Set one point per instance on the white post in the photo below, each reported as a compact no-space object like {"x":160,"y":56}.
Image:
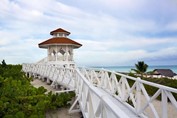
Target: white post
{"x":48,"y":54}
{"x":66,"y":53}
{"x":138,"y":95}
{"x":123,"y":89}
{"x":48,"y":81}
{"x":164,"y":105}
{"x":56,"y":54}
{"x":71,"y":54}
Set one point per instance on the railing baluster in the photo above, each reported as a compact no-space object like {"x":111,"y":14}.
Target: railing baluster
{"x":164,"y":104}
{"x":138,"y":95}
{"x":123,"y":89}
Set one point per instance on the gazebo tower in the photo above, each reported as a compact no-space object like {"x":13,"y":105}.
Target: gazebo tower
{"x":59,"y":48}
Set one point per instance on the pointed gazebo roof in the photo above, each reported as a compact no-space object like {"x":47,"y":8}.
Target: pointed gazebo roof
{"x":59,"y":30}
{"x":59,"y":41}
{"x":59,"y":38}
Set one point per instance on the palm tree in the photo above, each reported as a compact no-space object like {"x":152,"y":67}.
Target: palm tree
{"x":141,"y":68}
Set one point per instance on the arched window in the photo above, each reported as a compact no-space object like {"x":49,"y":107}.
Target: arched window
{"x":60,"y":54}
{"x":62,"y":51}
{"x":54,"y":52}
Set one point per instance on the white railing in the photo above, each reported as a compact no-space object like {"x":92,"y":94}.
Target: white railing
{"x":94,"y":103}
{"x":119,"y":86}
{"x":61,"y":75}
{"x":42,"y":61}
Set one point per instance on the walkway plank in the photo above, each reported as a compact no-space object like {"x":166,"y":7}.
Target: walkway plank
{"x":121,"y":105}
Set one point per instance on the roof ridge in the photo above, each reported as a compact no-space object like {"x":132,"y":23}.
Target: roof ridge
{"x":59,"y":30}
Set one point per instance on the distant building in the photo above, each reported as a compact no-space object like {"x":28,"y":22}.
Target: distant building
{"x":164,"y":73}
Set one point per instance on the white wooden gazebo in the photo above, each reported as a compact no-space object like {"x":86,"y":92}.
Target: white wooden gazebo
{"x":59,"y":48}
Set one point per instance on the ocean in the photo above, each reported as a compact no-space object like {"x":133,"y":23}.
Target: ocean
{"x":128,"y":68}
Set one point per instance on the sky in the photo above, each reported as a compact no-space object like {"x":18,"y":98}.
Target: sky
{"x":112,"y":32}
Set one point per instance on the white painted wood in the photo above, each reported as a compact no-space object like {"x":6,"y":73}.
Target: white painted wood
{"x":102,"y":94}
{"x":138,"y":96}
{"x":164,"y":105}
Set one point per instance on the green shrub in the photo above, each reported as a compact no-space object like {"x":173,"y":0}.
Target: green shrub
{"x":19,"y":99}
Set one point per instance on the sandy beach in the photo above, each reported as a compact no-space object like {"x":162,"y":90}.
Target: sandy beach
{"x":172,"y":112}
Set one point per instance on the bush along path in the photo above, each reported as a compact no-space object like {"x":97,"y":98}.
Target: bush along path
{"x":19,"y":99}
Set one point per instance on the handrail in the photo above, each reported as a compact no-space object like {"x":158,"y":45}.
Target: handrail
{"x":145,"y":82}
{"x":105,"y":101}
{"x":124,"y":92}
{"x":88,"y":82}
{"x":44,"y":60}
{"x":86,"y":92}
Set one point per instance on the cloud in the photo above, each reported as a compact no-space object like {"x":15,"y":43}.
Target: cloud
{"x":123,"y":58}
{"x":172,"y":26}
{"x":127,"y":44}
{"x":113,"y":32}
{"x":125,"y":52}
{"x":25,"y":51}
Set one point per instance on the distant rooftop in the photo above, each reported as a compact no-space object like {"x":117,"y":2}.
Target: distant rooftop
{"x":164,"y":72}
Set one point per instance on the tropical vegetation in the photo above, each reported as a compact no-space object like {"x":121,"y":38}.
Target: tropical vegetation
{"x":19,"y":99}
{"x":141,"y":68}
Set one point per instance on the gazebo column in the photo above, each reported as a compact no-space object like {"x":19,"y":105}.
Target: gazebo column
{"x":71,"y":54}
{"x":66,"y":53}
{"x":48,"y":54}
{"x":56,"y":53}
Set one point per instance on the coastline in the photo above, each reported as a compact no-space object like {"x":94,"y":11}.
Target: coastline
{"x":126,"y":69}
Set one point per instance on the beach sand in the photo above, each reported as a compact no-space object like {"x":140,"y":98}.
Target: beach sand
{"x":61,"y":112}
{"x":172,"y":112}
